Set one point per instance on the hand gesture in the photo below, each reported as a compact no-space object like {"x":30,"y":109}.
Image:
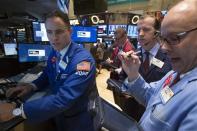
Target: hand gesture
{"x":130,"y":64}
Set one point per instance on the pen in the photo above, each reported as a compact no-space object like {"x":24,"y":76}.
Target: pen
{"x":136,"y":53}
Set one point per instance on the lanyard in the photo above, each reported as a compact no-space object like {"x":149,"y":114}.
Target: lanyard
{"x":169,"y":82}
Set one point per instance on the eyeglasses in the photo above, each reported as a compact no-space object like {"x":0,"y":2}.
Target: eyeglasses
{"x":176,"y":39}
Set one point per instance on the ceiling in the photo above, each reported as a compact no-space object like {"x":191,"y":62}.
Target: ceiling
{"x":19,"y":12}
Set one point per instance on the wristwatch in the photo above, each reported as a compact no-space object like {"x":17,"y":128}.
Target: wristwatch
{"x":17,"y":112}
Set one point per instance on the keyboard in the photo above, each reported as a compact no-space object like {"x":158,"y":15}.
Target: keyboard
{"x":35,"y":70}
{"x":28,"y":78}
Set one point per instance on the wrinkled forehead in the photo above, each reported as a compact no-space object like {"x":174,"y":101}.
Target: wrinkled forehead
{"x":179,"y":19}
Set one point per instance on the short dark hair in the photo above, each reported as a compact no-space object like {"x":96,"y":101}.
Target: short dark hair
{"x":157,"y":23}
{"x":60,"y":14}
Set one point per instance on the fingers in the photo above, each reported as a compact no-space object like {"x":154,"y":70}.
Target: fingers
{"x":13,"y":92}
{"x":129,"y":57}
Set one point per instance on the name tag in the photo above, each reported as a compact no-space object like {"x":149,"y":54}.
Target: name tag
{"x":166,"y":93}
{"x":62,"y":65}
{"x":157,"y":62}
{"x":63,"y":76}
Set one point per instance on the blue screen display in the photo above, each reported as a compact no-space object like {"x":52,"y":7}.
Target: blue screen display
{"x":39,"y":31}
{"x":84,"y":34}
{"x":112,"y":28}
{"x":132,"y":31}
{"x":33,"y":52}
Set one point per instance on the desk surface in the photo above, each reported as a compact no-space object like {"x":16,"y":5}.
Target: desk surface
{"x":6,"y":126}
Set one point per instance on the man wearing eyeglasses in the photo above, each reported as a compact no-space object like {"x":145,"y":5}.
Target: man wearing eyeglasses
{"x":171,"y":103}
{"x":70,"y":75}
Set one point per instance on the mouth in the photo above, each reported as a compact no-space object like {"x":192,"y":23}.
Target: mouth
{"x":174,"y":59}
{"x":143,"y":42}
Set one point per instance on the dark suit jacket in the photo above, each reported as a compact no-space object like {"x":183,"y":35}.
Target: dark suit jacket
{"x":155,"y":73}
{"x":129,"y":104}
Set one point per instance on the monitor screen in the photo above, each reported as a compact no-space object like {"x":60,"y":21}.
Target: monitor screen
{"x":132,"y":31}
{"x":33,"y":52}
{"x":84,"y":34}
{"x":102,"y":30}
{"x":39,"y":31}
{"x":21,"y":35}
{"x":10,"y":49}
{"x":112,"y":28}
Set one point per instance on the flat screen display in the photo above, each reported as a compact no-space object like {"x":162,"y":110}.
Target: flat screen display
{"x":102,"y":30}
{"x":84,"y":34}
{"x":39,"y":31}
{"x":10,"y":49}
{"x":21,"y":35}
{"x":33,"y":52}
{"x":132,"y":31}
{"x":112,"y":28}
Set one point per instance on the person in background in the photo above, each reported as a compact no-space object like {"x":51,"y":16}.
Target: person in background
{"x":170,"y":102}
{"x":70,"y":74}
{"x":121,"y":43}
{"x":100,"y":55}
{"x":155,"y":63}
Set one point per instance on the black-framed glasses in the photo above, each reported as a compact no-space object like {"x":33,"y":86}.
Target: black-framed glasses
{"x":176,"y":39}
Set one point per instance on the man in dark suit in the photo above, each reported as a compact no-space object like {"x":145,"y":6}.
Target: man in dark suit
{"x":148,"y":37}
{"x":154,"y":62}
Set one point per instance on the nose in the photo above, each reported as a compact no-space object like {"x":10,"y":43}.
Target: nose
{"x":54,"y":37}
{"x":141,"y":32}
{"x":165,"y":47}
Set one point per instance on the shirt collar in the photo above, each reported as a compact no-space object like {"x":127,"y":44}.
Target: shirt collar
{"x":64,"y":50}
{"x":187,"y":73}
{"x":154,"y":50}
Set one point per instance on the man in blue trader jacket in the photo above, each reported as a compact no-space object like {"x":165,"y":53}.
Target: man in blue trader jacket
{"x":171,"y":103}
{"x":70,"y":73}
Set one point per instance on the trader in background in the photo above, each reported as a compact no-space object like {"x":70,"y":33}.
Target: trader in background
{"x":70,"y":73}
{"x":170,"y":102}
{"x":121,"y":43}
{"x":155,"y":63}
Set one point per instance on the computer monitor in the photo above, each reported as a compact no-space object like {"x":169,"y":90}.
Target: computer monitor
{"x":84,"y":34}
{"x":21,"y":34}
{"x":10,"y":49}
{"x":132,"y":31}
{"x":102,"y":30}
{"x":112,"y":28}
{"x":33,"y":52}
{"x":39,"y":31}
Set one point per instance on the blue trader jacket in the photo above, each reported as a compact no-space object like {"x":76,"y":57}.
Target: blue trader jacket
{"x":179,"y":113}
{"x":70,"y":87}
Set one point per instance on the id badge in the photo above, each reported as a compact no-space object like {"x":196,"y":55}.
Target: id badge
{"x":165,"y":94}
{"x":62,"y":64}
{"x":157,"y":62}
